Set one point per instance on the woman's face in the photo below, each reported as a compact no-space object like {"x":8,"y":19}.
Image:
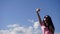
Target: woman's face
{"x":46,"y":21}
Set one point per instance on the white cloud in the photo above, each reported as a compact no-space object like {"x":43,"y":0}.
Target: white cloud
{"x":4,"y":32}
{"x":36,"y":25}
{"x":13,"y":25}
{"x":30,"y":20}
{"x":17,"y":29}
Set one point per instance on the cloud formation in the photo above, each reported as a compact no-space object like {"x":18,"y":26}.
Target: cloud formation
{"x":17,"y":29}
{"x":36,"y":25}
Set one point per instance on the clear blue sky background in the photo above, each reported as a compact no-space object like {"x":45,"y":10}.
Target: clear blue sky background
{"x":20,"y":11}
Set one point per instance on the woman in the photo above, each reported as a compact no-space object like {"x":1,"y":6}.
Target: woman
{"x":46,"y":25}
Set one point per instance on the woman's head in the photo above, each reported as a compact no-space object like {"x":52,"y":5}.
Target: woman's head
{"x":47,"y":20}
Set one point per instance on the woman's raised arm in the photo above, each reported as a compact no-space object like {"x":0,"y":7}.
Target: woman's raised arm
{"x":39,"y":18}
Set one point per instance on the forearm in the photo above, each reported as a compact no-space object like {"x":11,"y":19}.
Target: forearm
{"x":39,"y":18}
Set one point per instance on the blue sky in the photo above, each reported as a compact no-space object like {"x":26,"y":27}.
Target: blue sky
{"x":22,"y":11}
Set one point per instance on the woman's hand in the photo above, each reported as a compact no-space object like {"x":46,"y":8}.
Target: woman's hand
{"x":38,"y":9}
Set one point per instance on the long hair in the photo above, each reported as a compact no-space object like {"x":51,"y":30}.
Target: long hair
{"x":50,"y":22}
